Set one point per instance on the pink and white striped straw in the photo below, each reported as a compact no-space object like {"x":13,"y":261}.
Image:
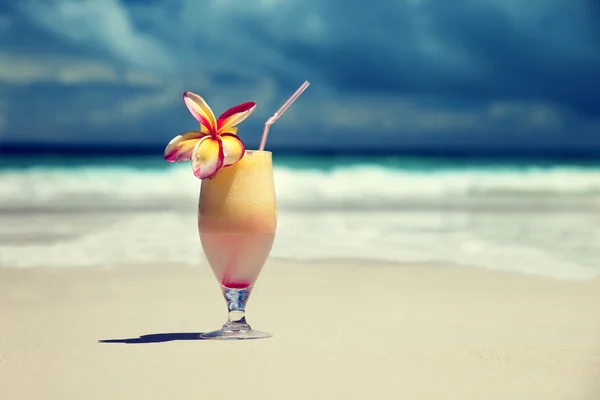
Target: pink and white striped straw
{"x":284,"y":107}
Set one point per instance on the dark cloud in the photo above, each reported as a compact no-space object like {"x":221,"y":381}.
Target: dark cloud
{"x":472,"y":50}
{"x":488,"y":73}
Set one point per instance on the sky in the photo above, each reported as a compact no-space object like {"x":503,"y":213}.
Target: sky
{"x":426,"y":74}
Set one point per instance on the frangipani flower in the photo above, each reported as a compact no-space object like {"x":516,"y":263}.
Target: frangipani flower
{"x":216,"y":144}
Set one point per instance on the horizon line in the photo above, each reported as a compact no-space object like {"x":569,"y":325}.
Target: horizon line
{"x":111,"y":150}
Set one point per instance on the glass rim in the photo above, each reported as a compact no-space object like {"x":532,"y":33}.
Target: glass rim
{"x":258,"y":151}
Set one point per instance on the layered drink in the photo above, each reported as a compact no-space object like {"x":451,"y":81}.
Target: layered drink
{"x":237,"y":219}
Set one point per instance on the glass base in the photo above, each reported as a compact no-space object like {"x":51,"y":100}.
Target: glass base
{"x":227,"y":333}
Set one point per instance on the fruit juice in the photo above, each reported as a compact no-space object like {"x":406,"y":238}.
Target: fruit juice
{"x":237,"y":219}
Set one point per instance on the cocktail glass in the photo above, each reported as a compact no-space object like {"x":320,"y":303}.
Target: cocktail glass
{"x":237,"y":220}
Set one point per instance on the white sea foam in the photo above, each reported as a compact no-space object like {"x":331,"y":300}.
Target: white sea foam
{"x":564,"y":246}
{"x":361,"y":187}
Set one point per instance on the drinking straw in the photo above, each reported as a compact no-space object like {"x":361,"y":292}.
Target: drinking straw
{"x":284,"y":107}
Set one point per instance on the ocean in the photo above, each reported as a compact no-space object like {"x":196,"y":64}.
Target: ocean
{"x":538,"y":217}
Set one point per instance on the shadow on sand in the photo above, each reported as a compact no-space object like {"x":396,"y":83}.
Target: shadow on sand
{"x":157,"y":338}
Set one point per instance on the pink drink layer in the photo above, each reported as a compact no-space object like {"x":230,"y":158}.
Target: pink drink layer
{"x":237,"y":258}
{"x":237,"y":219}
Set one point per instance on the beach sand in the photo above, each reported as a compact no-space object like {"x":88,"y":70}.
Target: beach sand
{"x":342,"y":330}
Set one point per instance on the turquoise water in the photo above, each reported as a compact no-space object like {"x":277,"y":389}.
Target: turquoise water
{"x":303,"y":182}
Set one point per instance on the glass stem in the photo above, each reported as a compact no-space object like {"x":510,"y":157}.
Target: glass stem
{"x":236,"y":305}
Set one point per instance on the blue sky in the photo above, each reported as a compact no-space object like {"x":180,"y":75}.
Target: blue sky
{"x":482,"y":74}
